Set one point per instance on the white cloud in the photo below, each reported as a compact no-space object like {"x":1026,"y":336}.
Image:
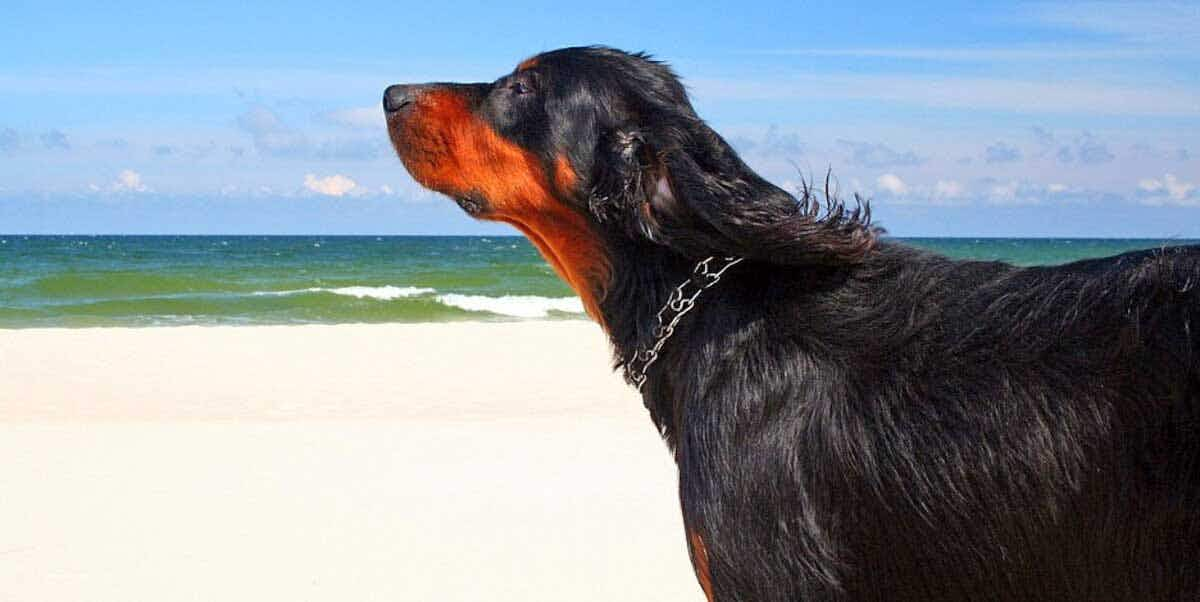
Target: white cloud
{"x":947,"y":189}
{"x":1174,"y":26}
{"x":9,"y":139}
{"x":335,"y":185}
{"x":1030,"y":53}
{"x":270,"y":134}
{"x":259,"y":120}
{"x":129,"y":181}
{"x":989,"y":191}
{"x":55,"y":140}
{"x":358,"y":117}
{"x":1072,"y":96}
{"x":870,"y":154}
{"x":1000,"y":152}
{"x":1169,"y":189}
{"x":775,"y":141}
{"x":892,"y":183}
{"x":1017,"y":192}
{"x":1003,"y":192}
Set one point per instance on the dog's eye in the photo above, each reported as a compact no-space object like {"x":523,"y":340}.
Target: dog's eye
{"x":519,"y":88}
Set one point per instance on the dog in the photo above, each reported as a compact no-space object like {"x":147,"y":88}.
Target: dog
{"x":852,"y":418}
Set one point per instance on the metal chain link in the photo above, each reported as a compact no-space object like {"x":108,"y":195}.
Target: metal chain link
{"x":678,"y":305}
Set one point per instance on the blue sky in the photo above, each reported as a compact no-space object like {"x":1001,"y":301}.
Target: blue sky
{"x":972,"y":119}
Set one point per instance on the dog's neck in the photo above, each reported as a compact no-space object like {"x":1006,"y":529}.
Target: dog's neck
{"x":646,"y":323}
{"x":642,"y":277}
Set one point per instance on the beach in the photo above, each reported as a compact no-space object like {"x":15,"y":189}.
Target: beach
{"x":332,"y":418}
{"x":440,"y":461}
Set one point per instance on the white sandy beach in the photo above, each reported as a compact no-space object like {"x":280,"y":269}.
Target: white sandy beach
{"x":466,"y":461}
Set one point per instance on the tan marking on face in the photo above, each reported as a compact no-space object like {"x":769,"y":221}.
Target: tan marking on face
{"x":528,"y":63}
{"x":446,"y":147}
{"x":564,"y":176}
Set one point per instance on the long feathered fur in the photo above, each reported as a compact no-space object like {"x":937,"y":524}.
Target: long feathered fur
{"x":854,"y":419}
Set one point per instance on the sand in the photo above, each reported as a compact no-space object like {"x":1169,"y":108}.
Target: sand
{"x":465,"y":461}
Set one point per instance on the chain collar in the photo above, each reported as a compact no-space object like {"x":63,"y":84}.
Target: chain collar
{"x":704,"y":277}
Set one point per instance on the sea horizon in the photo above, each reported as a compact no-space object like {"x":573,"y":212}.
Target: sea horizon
{"x":135,"y":280}
{"x":521,"y":236}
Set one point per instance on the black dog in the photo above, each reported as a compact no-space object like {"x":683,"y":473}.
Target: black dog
{"x":852,"y":419}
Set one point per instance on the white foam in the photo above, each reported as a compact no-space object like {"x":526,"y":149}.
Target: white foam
{"x":383,"y":293}
{"x":520,"y":306}
{"x":517,"y":306}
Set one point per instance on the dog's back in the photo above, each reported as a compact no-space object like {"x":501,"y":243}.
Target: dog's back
{"x":964,"y":430}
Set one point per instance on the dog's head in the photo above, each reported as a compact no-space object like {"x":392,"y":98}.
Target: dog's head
{"x":585,"y":148}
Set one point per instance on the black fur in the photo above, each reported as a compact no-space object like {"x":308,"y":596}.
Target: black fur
{"x":854,"y":419}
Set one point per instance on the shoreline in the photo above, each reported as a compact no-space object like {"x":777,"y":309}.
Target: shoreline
{"x":571,"y":318}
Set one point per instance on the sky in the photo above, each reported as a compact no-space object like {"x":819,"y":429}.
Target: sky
{"x":954,"y":119}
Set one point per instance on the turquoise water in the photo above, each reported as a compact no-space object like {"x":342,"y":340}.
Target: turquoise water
{"x":166,"y":280}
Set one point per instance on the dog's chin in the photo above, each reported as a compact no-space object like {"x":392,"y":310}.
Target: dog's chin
{"x":473,"y":205}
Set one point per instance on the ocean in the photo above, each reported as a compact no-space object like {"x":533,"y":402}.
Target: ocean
{"x":82,"y":281}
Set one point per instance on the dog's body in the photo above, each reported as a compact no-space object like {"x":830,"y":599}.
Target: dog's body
{"x":916,"y":428}
{"x":852,"y":419}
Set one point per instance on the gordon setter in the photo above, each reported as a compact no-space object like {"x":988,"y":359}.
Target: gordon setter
{"x":852,"y":418}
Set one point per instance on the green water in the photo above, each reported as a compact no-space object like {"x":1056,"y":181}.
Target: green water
{"x":77,"y":281}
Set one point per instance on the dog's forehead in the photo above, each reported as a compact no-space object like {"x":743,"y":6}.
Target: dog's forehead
{"x":568,"y":59}
{"x":554,"y":69}
{"x":571,"y":71}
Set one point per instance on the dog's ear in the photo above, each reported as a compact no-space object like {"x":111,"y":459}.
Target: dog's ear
{"x":619,"y":175}
{"x":681,"y":185}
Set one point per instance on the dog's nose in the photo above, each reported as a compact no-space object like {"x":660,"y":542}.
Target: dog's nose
{"x":398,"y":97}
